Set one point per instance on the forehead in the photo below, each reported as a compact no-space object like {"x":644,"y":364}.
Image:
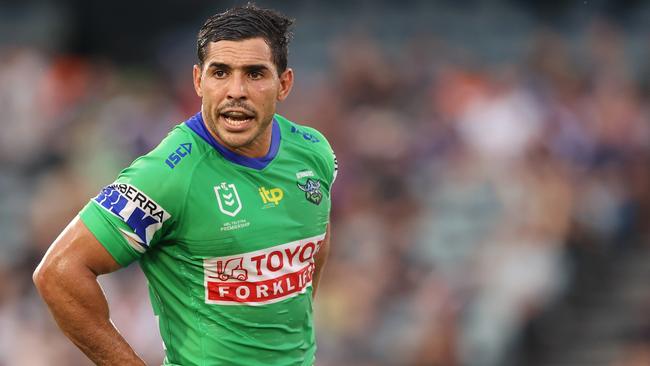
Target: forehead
{"x":239,"y":53}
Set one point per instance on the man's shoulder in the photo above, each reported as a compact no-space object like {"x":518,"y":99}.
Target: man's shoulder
{"x":306,"y":137}
{"x":172,"y":159}
{"x":309,"y":143}
{"x":179,"y":149}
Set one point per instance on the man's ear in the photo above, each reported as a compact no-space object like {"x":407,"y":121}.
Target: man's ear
{"x":196,"y":78}
{"x":286,"y":83}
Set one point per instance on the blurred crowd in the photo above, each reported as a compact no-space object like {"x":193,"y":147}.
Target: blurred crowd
{"x":464,"y":187}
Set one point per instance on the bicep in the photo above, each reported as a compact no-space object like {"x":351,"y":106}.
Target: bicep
{"x":76,"y":248}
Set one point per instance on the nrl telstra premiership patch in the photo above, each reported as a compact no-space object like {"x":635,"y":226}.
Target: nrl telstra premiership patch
{"x":142,"y":214}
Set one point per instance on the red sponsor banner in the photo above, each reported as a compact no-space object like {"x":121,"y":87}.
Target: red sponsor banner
{"x":263,"y":276}
{"x":262,"y":291}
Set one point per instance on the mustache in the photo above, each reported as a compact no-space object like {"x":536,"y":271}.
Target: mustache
{"x":237,"y":104}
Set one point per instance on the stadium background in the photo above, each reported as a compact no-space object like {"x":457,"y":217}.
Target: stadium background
{"x":494,"y":196}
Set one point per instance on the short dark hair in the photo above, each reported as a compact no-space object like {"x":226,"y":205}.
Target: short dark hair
{"x":246,"y":22}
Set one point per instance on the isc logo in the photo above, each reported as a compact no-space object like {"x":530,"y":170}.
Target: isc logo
{"x":305,"y":135}
{"x":175,"y":157}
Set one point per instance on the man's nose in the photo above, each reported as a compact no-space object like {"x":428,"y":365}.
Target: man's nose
{"x":237,"y":87}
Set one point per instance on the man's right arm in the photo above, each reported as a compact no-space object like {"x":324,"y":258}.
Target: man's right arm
{"x":66,"y":278}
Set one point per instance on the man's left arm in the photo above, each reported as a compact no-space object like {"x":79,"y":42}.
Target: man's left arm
{"x":323,"y":252}
{"x":320,"y":259}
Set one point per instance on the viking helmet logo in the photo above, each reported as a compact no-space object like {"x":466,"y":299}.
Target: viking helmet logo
{"x":312,"y":191}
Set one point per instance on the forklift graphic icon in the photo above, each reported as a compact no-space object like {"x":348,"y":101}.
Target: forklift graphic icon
{"x":232,"y":268}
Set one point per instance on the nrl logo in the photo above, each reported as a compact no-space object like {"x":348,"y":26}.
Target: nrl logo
{"x":228,"y":199}
{"x":312,"y":191}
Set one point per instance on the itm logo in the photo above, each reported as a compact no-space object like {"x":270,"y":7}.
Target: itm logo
{"x":312,"y":190}
{"x":273,"y":195}
{"x":228,"y":199}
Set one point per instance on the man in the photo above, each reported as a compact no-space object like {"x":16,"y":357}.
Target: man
{"x":228,"y":218}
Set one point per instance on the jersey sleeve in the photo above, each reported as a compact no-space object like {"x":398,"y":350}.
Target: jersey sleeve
{"x":139,"y":210}
{"x":335,"y":167}
{"x":331,"y":167}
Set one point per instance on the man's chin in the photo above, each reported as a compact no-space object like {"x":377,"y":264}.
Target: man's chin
{"x":231,"y":139}
{"x":240,"y":141}
{"x":235,"y":140}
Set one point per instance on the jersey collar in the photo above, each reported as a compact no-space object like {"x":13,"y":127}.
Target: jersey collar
{"x":197,"y":125}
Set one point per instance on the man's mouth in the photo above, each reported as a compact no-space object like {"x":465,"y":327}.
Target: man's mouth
{"x":237,"y":118}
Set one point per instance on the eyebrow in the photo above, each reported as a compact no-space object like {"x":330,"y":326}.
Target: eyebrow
{"x":247,"y":68}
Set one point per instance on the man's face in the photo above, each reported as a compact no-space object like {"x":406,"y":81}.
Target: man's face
{"x":240,"y":86}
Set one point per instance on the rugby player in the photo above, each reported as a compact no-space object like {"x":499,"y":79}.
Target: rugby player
{"x":228,"y":217}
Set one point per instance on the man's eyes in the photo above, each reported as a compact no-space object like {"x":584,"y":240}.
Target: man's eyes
{"x":254,"y":75}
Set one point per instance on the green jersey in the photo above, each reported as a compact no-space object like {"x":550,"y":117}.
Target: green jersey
{"x":227,"y":242}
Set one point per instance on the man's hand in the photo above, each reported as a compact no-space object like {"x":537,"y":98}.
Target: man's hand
{"x":66,"y":278}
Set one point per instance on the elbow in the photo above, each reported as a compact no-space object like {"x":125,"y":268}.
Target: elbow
{"x":47,"y":276}
{"x":58,"y":271}
{"x":41,"y":277}
{"x":36,"y":276}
